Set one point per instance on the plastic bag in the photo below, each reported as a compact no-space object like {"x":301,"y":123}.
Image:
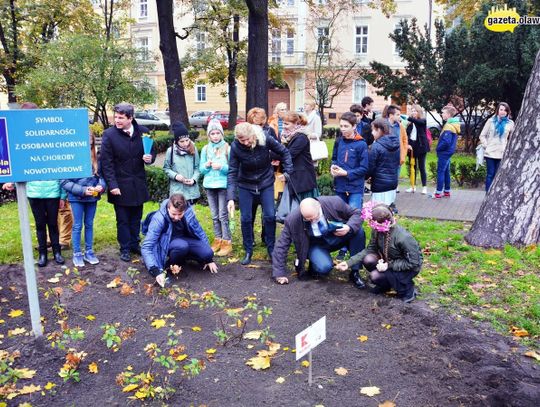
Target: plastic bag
{"x":479,"y":156}
{"x":286,"y":205}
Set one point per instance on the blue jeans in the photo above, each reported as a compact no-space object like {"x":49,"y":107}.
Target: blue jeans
{"x":189,"y":248}
{"x":83,"y":213}
{"x":492,"y":165}
{"x":355,"y":201}
{"x":320,"y":261}
{"x":443,"y":174}
{"x":245,"y":201}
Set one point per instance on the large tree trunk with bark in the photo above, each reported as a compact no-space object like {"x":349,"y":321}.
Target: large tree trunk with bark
{"x":510,"y":212}
{"x":232,"y":55}
{"x":257,"y":62}
{"x":171,"y":62}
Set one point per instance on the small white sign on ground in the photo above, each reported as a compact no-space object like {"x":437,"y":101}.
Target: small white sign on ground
{"x":310,"y":337}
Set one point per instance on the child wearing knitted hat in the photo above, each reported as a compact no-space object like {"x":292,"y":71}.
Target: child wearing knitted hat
{"x":214,"y":168}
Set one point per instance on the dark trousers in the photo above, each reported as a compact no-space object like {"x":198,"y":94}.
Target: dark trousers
{"x":443,"y":174}
{"x":320,"y":260}
{"x":128,"y":226}
{"x":401,"y":281}
{"x":420,"y":164}
{"x":245,"y":201}
{"x":45,"y":211}
{"x":189,"y":248}
{"x":492,"y":165}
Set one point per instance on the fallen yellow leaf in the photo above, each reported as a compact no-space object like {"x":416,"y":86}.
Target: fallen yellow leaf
{"x":114,"y":283}
{"x":286,"y":348}
{"x":532,"y":354}
{"x":305,"y":363}
{"x":25,"y":373}
{"x":158,"y":323}
{"x":93,"y":368}
{"x":259,"y":362}
{"x":210,"y":351}
{"x":387,"y":403}
{"x":196,"y":329}
{"x":29,"y":389}
{"x":253,"y":335}
{"x":14,"y":313}
{"x":126,"y":289}
{"x":2,"y":321}
{"x":180,"y":358}
{"x":130,"y":387}
{"x":16,"y":331}
{"x":253,"y":266}
{"x":341,"y":371}
{"x":520,"y":332}
{"x":49,"y":386}
{"x":90,"y":317}
{"x":280,"y":380}
{"x":362,"y":338}
{"x":386,"y":326}
{"x":232,"y":259}
{"x":53,"y":280}
{"x":370,"y":391}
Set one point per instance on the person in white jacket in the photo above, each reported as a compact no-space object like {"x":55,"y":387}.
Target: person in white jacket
{"x":494,"y":137}
{"x":314,"y":125}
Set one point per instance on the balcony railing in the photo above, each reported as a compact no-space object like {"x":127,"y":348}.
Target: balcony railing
{"x":295,"y":59}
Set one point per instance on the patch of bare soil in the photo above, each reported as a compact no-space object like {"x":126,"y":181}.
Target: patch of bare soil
{"x":416,"y":356}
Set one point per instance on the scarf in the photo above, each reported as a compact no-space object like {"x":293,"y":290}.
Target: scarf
{"x":287,"y":135}
{"x":500,"y":125}
{"x":217,"y":150}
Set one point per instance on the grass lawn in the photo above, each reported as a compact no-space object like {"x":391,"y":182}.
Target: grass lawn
{"x":499,"y":286}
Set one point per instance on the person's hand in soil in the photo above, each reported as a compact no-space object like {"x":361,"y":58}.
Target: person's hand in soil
{"x":343,"y":266}
{"x":342,"y":231}
{"x":382,"y":266}
{"x":282,"y":280}
{"x":161,"y":279}
{"x":212,"y":267}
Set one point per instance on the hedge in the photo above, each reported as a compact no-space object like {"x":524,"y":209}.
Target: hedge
{"x":463,"y":172}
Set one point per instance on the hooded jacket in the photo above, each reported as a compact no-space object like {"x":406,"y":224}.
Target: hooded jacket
{"x":216,"y":153}
{"x":155,"y":247}
{"x":45,"y":189}
{"x":352,"y":156}
{"x":76,"y":188}
{"x":186,"y":165}
{"x":448,"y":138}
{"x":493,"y":144}
{"x":383,"y":163}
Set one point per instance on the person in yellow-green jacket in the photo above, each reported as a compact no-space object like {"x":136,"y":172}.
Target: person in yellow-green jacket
{"x":445,"y":149}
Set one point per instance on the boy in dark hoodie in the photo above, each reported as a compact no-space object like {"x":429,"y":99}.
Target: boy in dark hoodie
{"x":383,"y":163}
{"x":445,"y":149}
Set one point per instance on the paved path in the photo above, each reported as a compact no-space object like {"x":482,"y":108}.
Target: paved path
{"x":463,"y":205}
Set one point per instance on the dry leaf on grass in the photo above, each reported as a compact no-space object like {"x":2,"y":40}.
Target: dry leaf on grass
{"x":532,"y":354}
{"x":387,"y":403}
{"x":259,"y":362}
{"x":253,"y":335}
{"x":126,"y":289}
{"x":341,"y":371}
{"x":370,"y":391}
{"x":519,"y":332}
{"x":93,"y":368}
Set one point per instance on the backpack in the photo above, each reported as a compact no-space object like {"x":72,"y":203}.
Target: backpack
{"x":146,"y":223}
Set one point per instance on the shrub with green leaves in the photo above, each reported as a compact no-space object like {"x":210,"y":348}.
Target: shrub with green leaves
{"x":158,"y":183}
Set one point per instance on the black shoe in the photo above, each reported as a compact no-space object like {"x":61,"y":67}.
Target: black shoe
{"x":377,"y":290}
{"x":409,"y":297}
{"x":136,"y":250}
{"x":58,"y":258}
{"x":356,"y":280}
{"x":247,"y":259}
{"x":42,"y":260}
{"x":125,"y":256}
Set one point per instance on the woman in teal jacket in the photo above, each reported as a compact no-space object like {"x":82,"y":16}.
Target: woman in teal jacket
{"x":182,"y":165}
{"x":45,"y":198}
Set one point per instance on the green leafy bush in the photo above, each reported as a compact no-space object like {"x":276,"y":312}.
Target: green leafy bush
{"x":158,"y":183}
{"x":162,"y":142}
{"x":463,"y":172}
{"x":330,"y":132}
{"x":325,"y":183}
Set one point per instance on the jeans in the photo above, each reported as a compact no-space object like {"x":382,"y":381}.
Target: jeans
{"x":420,"y":164}
{"x":443,"y":174}
{"x":45,"y":211}
{"x":354,"y":200}
{"x":492,"y":165}
{"x":189,"y":248}
{"x":217,"y":201}
{"x":128,"y":226}
{"x":83,"y":212}
{"x":320,"y":261}
{"x":245,"y":201}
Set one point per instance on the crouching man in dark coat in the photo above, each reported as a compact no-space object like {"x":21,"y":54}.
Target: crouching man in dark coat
{"x":317,"y":228}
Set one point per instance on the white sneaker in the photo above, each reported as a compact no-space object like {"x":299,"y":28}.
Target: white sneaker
{"x":424,"y":190}
{"x":410,"y":190}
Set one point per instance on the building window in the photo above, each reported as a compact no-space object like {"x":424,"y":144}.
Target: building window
{"x":362,"y":39}
{"x":321,"y":87}
{"x":323,"y":40}
{"x":201,"y":92}
{"x":144,"y":49}
{"x":396,"y":27}
{"x":276,"y":45}
{"x":200,"y":41}
{"x":290,"y":2}
{"x":143,"y":8}
{"x":359,"y":90}
{"x":290,"y":41}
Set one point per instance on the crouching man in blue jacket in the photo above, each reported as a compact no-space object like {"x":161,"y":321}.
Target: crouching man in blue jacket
{"x":173,"y":236}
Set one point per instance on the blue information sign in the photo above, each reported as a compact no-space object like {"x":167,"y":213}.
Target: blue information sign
{"x":44,"y":144}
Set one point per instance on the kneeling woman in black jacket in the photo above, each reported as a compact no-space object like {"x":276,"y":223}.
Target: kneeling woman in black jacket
{"x":250,"y":170}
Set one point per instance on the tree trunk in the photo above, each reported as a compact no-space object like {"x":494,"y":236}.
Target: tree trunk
{"x":9,"y":78}
{"x":232,"y":55}
{"x":171,"y":63}
{"x":257,"y":61}
{"x":509,"y":214}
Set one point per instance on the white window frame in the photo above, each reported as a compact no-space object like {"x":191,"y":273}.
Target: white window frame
{"x":143,"y":45}
{"x":275,"y":47}
{"x":290,"y":41}
{"x":323,"y":33}
{"x":200,"y":92}
{"x":200,"y":41}
{"x":143,"y":9}
{"x":361,"y":39}
{"x":356,"y":97}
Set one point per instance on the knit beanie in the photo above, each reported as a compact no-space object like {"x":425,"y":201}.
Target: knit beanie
{"x":214,"y":124}
{"x":179,"y":130}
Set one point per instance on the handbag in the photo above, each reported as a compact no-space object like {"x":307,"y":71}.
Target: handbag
{"x":318,"y":150}
{"x":287,"y":203}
